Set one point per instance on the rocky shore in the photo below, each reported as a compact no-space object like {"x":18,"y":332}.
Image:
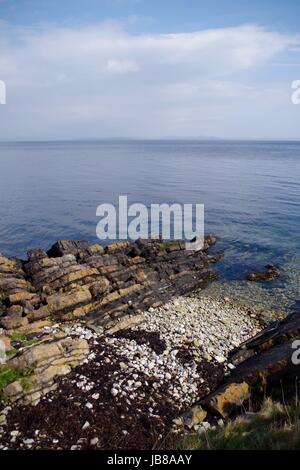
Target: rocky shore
{"x":119,"y":349}
{"x":133,"y":383}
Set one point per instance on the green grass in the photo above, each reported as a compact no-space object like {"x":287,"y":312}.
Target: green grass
{"x":8,"y":375}
{"x":12,"y":352}
{"x":18,"y":336}
{"x":275,"y":427}
{"x":22,"y":338}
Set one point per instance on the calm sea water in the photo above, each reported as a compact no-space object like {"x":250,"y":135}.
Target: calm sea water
{"x":251,"y":192}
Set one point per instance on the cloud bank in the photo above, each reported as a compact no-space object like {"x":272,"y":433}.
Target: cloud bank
{"x":101,"y":81}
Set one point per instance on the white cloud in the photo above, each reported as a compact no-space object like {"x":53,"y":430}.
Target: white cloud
{"x":101,"y":81}
{"x":121,"y":66}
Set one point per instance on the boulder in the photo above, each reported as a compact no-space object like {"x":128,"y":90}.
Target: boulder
{"x":66,"y":247}
{"x":36,"y":254}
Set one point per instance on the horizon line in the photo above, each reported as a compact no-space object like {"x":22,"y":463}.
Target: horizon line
{"x":152,"y":139}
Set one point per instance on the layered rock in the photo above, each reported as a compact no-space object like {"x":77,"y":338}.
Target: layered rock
{"x":106,"y":287}
{"x":39,"y":365}
{"x":268,"y":364}
{"x":76,"y":280}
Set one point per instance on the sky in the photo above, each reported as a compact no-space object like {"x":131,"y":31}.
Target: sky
{"x":87,"y":69}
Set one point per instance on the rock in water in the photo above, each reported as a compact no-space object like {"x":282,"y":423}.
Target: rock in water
{"x":271,"y":273}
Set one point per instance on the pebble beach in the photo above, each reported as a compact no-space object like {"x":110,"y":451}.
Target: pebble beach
{"x":136,"y":382}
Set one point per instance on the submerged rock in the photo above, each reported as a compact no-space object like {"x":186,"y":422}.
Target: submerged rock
{"x":271,"y":273}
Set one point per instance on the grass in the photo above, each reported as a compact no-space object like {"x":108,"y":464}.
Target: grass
{"x":12,"y":352}
{"x":8,"y":375}
{"x":18,"y":336}
{"x":275,"y":427}
{"x":22,"y":338}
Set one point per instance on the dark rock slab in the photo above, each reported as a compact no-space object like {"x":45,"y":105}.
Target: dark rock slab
{"x":263,"y":364}
{"x":110,"y":283}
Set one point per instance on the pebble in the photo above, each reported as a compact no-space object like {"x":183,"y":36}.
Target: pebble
{"x":220,"y":359}
{"x":28,"y":441}
{"x":205,"y":328}
{"x":215,"y":326}
{"x":94,"y":441}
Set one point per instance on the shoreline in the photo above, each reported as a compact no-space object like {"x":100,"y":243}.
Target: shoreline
{"x":114,"y":346}
{"x":134,"y":383}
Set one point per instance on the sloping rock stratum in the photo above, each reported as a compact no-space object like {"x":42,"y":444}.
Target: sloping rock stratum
{"x":266,"y":365}
{"x":108,"y":288}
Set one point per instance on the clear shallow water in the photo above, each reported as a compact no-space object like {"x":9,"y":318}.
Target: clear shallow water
{"x":251,"y":192}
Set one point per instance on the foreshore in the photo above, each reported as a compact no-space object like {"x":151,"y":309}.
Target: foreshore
{"x":134,"y":383}
{"x":111,"y":349}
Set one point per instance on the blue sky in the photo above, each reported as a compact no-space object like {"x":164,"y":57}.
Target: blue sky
{"x":158,"y":15}
{"x":149,"y":68}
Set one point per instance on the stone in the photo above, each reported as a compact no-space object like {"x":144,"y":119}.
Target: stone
{"x":94,"y":441}
{"x":126,"y":323}
{"x":64,"y":247}
{"x":227,"y":398}
{"x":96,"y":249}
{"x":3,"y":420}
{"x":36,"y":254}
{"x":59,"y":303}
{"x":271,"y":273}
{"x":10,"y":323}
{"x":100,"y":286}
{"x":194,"y":416}
{"x":20,"y":296}
{"x":15,"y":311}
{"x":28,"y":441}
{"x":116,"y":247}
{"x":220,"y":359}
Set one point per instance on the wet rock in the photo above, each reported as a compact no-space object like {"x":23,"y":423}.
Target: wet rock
{"x":36,"y":254}
{"x":66,"y":247}
{"x":271,"y":273}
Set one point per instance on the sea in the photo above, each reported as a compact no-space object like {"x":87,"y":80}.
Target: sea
{"x":250,"y":191}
